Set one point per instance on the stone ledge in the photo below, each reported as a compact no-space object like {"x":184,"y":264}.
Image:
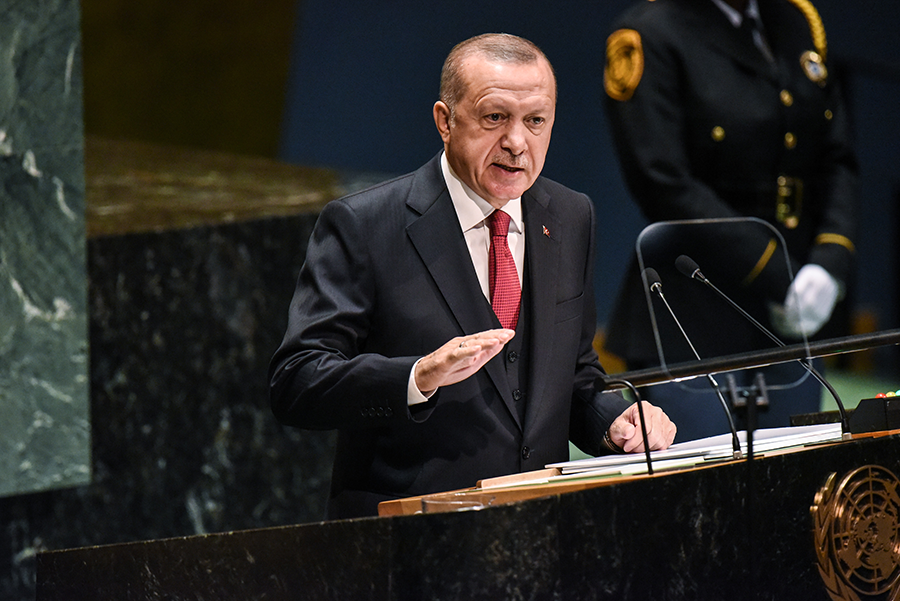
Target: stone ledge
{"x":134,"y":187}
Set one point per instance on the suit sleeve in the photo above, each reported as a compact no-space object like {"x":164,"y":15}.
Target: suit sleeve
{"x":321,"y":377}
{"x":833,"y":247}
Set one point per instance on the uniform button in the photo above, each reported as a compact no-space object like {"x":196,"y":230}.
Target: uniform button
{"x":379,"y":412}
{"x":388,"y":412}
{"x":526,"y":452}
{"x":787,"y":99}
{"x":512,"y":357}
{"x":828,"y":115}
{"x":371,"y":412}
{"x":790,"y":140}
{"x":517,"y":395}
{"x":718,"y":133}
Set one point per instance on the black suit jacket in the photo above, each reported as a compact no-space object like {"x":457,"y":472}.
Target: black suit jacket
{"x":708,"y":131}
{"x":387,"y":280}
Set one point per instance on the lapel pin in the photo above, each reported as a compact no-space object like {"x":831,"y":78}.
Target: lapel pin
{"x":546,"y":231}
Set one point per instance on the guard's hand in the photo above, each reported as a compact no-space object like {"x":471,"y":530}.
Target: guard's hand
{"x":809,"y":303}
{"x":625,"y":432}
{"x":459,"y":358}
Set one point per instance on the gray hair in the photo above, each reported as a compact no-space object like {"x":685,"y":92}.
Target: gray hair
{"x":495,"y":47}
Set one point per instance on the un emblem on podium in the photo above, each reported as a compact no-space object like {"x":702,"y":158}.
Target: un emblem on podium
{"x":857,"y":535}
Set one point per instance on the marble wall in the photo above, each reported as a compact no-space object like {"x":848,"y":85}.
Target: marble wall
{"x":182,"y":325}
{"x":133,"y":396}
{"x":44,"y":426}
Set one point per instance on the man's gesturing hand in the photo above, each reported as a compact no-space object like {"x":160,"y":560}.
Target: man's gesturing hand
{"x":459,"y":358}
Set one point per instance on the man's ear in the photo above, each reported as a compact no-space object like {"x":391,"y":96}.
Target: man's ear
{"x":442,"y":120}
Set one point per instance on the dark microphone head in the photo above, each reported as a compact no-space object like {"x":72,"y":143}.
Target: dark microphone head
{"x":688,"y":267}
{"x":652,"y":279}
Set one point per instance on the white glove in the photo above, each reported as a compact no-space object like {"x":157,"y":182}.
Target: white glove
{"x":809,"y":302}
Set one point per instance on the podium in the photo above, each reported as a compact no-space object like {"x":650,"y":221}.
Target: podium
{"x":735,"y":530}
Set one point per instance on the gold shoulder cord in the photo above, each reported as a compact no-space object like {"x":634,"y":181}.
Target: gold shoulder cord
{"x":835,"y":239}
{"x":816,"y":28}
{"x":761,"y":264}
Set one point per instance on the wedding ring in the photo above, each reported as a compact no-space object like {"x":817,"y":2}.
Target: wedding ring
{"x":462,"y":344}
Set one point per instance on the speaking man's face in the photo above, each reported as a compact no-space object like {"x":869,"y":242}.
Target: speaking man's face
{"x":496,"y":140}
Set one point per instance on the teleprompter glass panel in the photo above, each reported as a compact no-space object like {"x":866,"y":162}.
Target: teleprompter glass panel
{"x":691,"y":269}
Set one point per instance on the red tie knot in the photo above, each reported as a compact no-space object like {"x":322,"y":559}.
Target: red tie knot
{"x":498,"y":221}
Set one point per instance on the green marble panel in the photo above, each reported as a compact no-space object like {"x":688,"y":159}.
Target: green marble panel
{"x":44,"y":384}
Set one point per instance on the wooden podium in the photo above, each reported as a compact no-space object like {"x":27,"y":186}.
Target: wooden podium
{"x":736,"y":530}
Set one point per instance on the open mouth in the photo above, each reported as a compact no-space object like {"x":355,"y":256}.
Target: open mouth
{"x":508,"y":168}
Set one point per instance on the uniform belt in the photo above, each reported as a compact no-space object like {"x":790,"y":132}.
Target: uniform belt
{"x":781,"y":201}
{"x":789,"y":201}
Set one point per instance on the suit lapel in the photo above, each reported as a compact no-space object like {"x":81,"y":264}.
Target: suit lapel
{"x":542,"y":250}
{"x":781,"y":30}
{"x":444,"y":253}
{"x":440,"y":243}
{"x":717,"y":30}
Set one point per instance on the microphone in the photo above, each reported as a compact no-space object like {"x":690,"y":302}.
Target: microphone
{"x":689,"y":267}
{"x":655,"y":285}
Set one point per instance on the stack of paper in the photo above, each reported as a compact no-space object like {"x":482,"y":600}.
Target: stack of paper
{"x":687,"y":454}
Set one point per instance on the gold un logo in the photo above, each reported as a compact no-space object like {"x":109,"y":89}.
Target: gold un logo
{"x":856,"y":535}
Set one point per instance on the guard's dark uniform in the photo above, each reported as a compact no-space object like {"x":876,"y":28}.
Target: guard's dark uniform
{"x":706,"y":127}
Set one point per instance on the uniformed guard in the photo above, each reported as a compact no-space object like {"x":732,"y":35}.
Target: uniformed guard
{"x":722,"y":109}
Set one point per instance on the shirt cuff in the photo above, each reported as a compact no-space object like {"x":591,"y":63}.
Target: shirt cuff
{"x":414,"y":396}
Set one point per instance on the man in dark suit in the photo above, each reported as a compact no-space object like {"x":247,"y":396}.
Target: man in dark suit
{"x":723,"y":109}
{"x":391,"y":337}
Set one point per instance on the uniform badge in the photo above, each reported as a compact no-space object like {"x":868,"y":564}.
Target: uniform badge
{"x":814,"y":67}
{"x":624,"y":64}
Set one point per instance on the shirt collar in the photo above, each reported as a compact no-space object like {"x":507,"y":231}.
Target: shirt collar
{"x":471,"y":209}
{"x":736,"y":17}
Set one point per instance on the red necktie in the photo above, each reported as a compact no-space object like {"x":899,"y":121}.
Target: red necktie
{"x":504,"y":280}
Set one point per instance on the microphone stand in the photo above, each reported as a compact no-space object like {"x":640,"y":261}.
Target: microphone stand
{"x":656,"y":286}
{"x":688,"y":267}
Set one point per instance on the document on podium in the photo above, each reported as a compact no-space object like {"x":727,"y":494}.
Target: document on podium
{"x":697,"y":452}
